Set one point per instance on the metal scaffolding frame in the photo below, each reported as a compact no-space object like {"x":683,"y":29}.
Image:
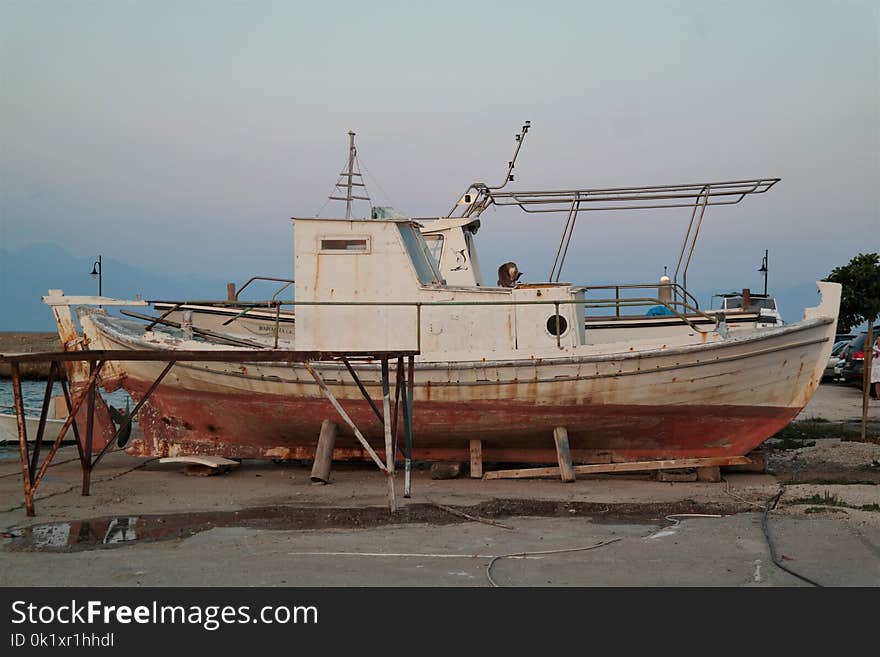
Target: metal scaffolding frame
{"x":33,"y":471}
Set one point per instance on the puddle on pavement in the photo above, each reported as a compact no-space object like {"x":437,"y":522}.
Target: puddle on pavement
{"x":118,"y":531}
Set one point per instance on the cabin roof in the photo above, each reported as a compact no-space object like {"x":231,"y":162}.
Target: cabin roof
{"x":445,"y":223}
{"x":404,"y":220}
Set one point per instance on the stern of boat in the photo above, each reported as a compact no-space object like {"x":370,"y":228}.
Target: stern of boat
{"x":827,"y":309}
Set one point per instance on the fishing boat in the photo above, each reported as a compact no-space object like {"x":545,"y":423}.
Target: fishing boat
{"x":503,"y":364}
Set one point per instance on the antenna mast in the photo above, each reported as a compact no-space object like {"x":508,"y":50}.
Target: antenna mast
{"x":350,"y":182}
{"x":479,"y":201}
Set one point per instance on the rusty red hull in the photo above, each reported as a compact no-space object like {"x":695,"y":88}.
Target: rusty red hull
{"x":251,"y":425}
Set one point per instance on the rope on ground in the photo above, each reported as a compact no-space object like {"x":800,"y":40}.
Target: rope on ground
{"x":674,"y":518}
{"x":765,"y":527}
{"x":467,"y":516}
{"x":543,"y":552}
{"x":739,"y":498}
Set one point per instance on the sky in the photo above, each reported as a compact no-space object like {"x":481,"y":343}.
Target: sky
{"x":180,"y":137}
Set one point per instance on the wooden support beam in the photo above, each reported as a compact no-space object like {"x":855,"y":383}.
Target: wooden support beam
{"x":758,"y":458}
{"x":563,"y":454}
{"x":324,"y":453}
{"x":634,"y":466}
{"x":476,"y":459}
{"x":389,"y":444}
{"x":363,"y":441}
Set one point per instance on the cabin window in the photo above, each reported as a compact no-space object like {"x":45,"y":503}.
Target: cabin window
{"x":419,"y":255}
{"x":556,"y":325}
{"x":331,"y":244}
{"x":435,"y":246}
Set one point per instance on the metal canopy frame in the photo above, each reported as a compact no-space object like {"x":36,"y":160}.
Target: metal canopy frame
{"x":479,"y":196}
{"x":728,"y":192}
{"x":33,"y":472}
{"x":697,"y":196}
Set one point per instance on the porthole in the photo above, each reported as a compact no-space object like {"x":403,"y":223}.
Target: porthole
{"x":556,"y":325}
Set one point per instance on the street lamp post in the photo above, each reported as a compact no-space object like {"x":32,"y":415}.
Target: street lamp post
{"x":764,"y":269}
{"x":97,"y":272}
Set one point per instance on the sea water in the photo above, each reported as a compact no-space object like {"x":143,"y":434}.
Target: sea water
{"x":32,"y":392}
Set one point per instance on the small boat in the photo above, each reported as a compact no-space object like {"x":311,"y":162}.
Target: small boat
{"x":54,"y":422}
{"x":9,"y":427}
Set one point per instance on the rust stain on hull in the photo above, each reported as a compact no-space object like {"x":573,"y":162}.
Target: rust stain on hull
{"x":254,"y":425}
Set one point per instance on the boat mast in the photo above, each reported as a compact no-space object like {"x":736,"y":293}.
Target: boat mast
{"x":350,"y":173}
{"x":350,"y":182}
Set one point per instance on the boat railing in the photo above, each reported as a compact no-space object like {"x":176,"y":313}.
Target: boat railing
{"x":680,"y":297}
{"x":287,"y":283}
{"x":679,"y":294}
{"x":680,"y":309}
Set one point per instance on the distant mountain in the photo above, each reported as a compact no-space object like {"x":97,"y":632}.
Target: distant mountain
{"x":28,"y":273}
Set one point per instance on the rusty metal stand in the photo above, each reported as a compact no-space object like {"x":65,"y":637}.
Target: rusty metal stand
{"x":87,"y":394}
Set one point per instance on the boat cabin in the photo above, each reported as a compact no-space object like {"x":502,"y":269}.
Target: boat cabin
{"x":451,"y":242}
{"x":375,"y":284}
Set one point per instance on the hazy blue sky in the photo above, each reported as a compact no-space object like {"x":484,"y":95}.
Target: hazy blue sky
{"x":179,"y":137}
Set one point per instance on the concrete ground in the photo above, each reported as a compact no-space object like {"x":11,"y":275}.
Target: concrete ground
{"x":265,"y":524}
{"x":839,"y":403}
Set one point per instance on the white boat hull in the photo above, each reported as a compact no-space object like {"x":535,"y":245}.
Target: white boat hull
{"x":716,"y":397}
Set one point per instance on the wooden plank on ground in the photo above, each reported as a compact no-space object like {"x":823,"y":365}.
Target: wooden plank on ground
{"x":632,"y":466}
{"x":209,"y":461}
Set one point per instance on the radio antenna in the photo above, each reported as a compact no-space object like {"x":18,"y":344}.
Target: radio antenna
{"x":477,"y":200}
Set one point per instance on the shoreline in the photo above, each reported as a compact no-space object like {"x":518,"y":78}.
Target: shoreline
{"x":27,"y":342}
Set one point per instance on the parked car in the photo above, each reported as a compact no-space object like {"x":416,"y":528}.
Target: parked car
{"x":832,"y":369}
{"x":852,"y":364}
